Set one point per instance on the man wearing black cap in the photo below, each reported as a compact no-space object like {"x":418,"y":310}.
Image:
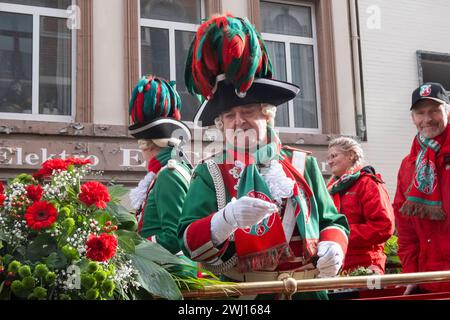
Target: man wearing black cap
{"x":422,"y":201}
{"x":257,"y":211}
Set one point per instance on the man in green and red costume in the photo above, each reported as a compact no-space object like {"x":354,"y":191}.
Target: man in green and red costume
{"x":422,"y":201}
{"x":155,"y":121}
{"x":257,"y":211}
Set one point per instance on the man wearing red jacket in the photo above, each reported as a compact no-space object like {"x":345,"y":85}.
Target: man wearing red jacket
{"x":422,"y":202}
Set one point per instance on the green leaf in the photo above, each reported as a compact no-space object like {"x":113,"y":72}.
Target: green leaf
{"x":126,"y":220}
{"x":71,"y":192}
{"x":126,"y":243}
{"x":41,"y":247}
{"x":154,"y":278}
{"x":1,"y":244}
{"x":137,"y":239}
{"x":102,"y":216}
{"x":56,"y":260}
{"x":24,"y":178}
{"x":158,"y":254}
{"x":117,"y":191}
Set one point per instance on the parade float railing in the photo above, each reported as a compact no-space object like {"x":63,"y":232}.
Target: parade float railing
{"x":289,"y":286}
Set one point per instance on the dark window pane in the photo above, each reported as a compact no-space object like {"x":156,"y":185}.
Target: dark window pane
{"x":181,"y":11}
{"x":190,"y":104}
{"x":55,"y":68}
{"x":286,"y":19}
{"x":437,"y":71}
{"x":277,"y":54}
{"x":16,"y":56}
{"x":58,"y":4}
{"x":305,"y":104}
{"x":155,"y":58}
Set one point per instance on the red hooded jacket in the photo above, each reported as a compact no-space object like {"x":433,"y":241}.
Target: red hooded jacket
{"x":369,"y":212}
{"x":424,"y":245}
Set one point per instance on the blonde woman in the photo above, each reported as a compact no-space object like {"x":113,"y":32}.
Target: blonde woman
{"x":360,"y":194}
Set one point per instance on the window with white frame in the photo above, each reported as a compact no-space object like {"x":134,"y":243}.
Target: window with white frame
{"x":288,"y":29}
{"x":37,"y":60}
{"x":167,"y":30}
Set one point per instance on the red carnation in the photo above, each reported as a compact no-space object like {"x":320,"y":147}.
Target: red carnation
{"x":34,"y":193}
{"x":2,"y":196}
{"x":101,"y":248}
{"x":78,"y":161}
{"x":94,"y":193}
{"x":48,"y":167}
{"x":40,"y":215}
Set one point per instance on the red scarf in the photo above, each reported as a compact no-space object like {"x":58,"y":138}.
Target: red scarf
{"x":424,"y":198}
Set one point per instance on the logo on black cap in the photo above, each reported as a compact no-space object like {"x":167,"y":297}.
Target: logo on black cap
{"x":430,"y":90}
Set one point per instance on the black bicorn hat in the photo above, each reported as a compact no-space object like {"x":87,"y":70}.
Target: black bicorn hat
{"x":154,"y":110}
{"x":228,"y":66}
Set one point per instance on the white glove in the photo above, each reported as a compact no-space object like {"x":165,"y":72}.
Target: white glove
{"x":241,"y":213}
{"x":246,"y":211}
{"x":330,"y":258}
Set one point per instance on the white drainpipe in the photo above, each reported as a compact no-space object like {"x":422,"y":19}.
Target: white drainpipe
{"x":360,"y":125}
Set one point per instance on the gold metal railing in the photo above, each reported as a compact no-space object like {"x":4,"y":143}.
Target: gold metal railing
{"x":290,"y":285}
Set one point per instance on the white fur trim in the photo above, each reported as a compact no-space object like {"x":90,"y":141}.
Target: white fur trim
{"x":138,"y":194}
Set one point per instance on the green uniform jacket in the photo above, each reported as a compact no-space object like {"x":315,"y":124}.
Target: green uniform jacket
{"x":163,"y":207}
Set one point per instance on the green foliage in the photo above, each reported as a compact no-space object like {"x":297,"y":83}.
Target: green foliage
{"x":88,"y":281}
{"x":92,"y":294}
{"x":29,"y":282}
{"x":70,"y":252}
{"x":58,"y":260}
{"x":92,"y":267}
{"x":361,"y":271}
{"x":148,"y":259}
{"x":41,"y":247}
{"x":117,"y":191}
{"x":125,"y":219}
{"x":24,"y":178}
{"x":128,"y":240}
{"x":24,"y":271}
{"x":391,"y":246}
{"x":40,"y":293}
{"x":40,"y":271}
{"x":50,"y":278}
{"x":393,"y":263}
{"x":41,"y":260}
{"x":14,"y":266}
{"x":100,"y":276}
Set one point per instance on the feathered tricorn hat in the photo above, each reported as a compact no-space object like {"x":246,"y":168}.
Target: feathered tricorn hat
{"x":229,"y":66}
{"x":155,"y":110}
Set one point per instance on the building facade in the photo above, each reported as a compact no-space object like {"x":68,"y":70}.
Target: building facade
{"x":67,"y":69}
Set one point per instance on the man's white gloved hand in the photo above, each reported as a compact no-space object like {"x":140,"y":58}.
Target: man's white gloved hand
{"x":330,"y":258}
{"x":241,"y":213}
{"x":247,"y":211}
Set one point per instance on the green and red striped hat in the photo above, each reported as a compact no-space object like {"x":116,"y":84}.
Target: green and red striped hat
{"x":154,"y":110}
{"x":228,"y":65}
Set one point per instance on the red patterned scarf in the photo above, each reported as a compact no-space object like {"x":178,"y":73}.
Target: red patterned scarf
{"x":424,"y":198}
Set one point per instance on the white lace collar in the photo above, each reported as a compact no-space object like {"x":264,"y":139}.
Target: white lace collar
{"x":138,"y":195}
{"x":280,"y":186}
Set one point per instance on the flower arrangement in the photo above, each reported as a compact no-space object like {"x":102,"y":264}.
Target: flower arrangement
{"x":62,"y":238}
